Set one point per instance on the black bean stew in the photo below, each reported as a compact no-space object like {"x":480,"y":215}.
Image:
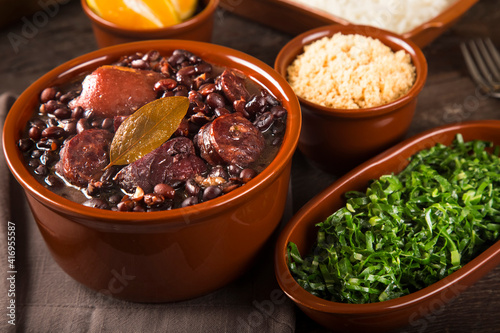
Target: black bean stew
{"x":231,"y":132}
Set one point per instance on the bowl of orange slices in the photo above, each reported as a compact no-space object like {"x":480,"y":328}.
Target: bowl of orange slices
{"x":122,"y":21}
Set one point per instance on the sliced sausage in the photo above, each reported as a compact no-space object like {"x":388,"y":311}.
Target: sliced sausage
{"x":174,"y":161}
{"x":116,"y":91}
{"x":84,"y":156}
{"x":232,"y":86}
{"x":230,"y":139}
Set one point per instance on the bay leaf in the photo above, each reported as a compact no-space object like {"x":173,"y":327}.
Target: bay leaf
{"x":146,"y":129}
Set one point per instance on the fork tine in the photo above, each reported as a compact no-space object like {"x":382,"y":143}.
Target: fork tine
{"x":492,"y":68}
{"x":494,"y":54}
{"x":478,"y":58}
{"x":471,"y":66}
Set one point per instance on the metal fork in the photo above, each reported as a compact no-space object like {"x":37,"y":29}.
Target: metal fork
{"x":483,"y":62}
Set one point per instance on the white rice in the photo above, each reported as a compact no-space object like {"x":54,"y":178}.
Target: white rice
{"x":399,"y":16}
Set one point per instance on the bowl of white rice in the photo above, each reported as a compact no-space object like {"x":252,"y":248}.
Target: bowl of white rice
{"x":358,"y":88}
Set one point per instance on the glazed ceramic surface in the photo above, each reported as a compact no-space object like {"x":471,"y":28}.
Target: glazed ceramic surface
{"x":279,"y":13}
{"x":387,"y":315}
{"x":198,"y":28}
{"x":339,"y":139}
{"x":159,"y":256}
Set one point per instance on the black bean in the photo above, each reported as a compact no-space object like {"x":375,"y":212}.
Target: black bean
{"x":66,"y":98}
{"x":89,"y":114}
{"x":42,"y":170}
{"x":25,"y":144}
{"x":247,"y":174}
{"x":53,"y":132}
{"x":206,"y":89}
{"x":37,"y":122}
{"x":199,"y":119}
{"x":96,"y":203}
{"x":194,"y":96}
{"x":239,"y":106}
{"x":165,"y":84}
{"x":233,"y":170}
{"x":264,"y":121}
{"x":190,"y":201}
{"x":69,"y":126}
{"x":211,"y":192}
{"x":52,"y":122}
{"x":270,"y":99}
{"x":34,"y":163}
{"x":186,"y":71}
{"x":278,"y":128}
{"x":47,"y":158}
{"x":47,"y":144}
{"x":176,"y":58}
{"x":139,"y":64}
{"x":219,"y":171}
{"x":192,"y":189}
{"x":125,"y":206}
{"x":77,"y":112}
{"x":53,"y":181}
{"x":51,"y":106}
{"x":203,"y":67}
{"x":184,"y":80}
{"x":36,"y":153}
{"x":81,"y":125}
{"x":62,"y":113}
{"x":181,"y":90}
{"x":215,"y":100}
{"x":278,"y":111}
{"x":48,"y":94}
{"x":168,"y":94}
{"x":152,"y":55}
{"x":167,"y":191}
{"x":256,"y":105}
{"x":139,"y":208}
{"x":115,"y":198}
{"x":35,"y":133}
{"x":107,"y":123}
{"x":221,"y":111}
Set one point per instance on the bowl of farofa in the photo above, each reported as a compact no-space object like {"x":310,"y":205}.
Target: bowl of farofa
{"x":357,"y":87}
{"x":418,"y":306}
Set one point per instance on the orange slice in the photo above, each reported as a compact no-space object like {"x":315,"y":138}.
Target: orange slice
{"x":137,"y":14}
{"x":184,"y":8}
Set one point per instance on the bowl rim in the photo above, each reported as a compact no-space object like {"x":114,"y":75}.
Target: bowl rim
{"x":175,"y":217}
{"x":305,"y":299}
{"x":199,"y":18}
{"x":296,"y":46}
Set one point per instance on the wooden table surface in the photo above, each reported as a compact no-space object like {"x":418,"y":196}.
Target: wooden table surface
{"x":449,"y":96}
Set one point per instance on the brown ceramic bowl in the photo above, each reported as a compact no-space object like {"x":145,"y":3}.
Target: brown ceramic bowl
{"x":279,"y":13}
{"x":387,"y":315}
{"x":338,"y":139}
{"x":168,"y":255}
{"x":198,"y":28}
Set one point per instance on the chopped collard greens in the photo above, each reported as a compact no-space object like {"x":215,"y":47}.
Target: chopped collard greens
{"x":408,"y":230}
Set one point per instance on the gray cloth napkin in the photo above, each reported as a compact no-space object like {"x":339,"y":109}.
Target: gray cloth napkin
{"x":48,"y":300}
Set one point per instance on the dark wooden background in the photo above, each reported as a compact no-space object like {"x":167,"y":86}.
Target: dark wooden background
{"x":28,"y":51}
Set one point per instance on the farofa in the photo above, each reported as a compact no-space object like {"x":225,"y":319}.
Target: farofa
{"x":351,"y":72}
